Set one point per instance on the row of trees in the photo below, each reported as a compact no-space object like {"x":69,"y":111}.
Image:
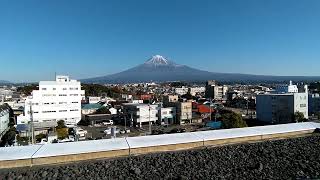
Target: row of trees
{"x":27,"y":89}
{"x":99,"y":90}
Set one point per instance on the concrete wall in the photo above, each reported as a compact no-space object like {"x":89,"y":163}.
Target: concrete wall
{"x":212,"y":138}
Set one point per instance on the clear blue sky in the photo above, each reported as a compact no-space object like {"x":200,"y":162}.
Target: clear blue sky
{"x":88,"y":38}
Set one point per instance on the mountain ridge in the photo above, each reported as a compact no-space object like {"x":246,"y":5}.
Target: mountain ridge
{"x":159,"y":69}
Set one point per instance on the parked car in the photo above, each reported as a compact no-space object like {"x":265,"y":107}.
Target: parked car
{"x":108,"y":122}
{"x":108,"y":131}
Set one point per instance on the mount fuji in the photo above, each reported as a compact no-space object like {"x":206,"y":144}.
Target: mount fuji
{"x":160,"y":69}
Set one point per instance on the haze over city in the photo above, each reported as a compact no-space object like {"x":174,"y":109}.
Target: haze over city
{"x":87,"y":39}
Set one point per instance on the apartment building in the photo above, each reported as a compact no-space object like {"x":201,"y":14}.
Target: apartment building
{"x":184,"y":112}
{"x":214,"y":91}
{"x":182,"y":91}
{"x":314,"y":103}
{"x":141,"y":113}
{"x":197,"y":90}
{"x":169,"y":99}
{"x":54,"y":101}
{"x":183,"y":109}
{"x":279,"y":107}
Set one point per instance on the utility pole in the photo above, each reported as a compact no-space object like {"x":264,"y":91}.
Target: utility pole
{"x":247,"y":107}
{"x":149,"y":120}
{"x":125,"y":123}
{"x":31,"y":124}
{"x":210,"y":109}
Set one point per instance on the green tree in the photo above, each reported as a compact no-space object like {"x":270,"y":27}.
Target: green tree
{"x":61,"y":124}
{"x":318,"y":115}
{"x":299,"y":117}
{"x":8,"y":137}
{"x":62,"y":130}
{"x":103,"y":110}
{"x":188,"y":96}
{"x":232,"y":120}
{"x":40,"y":136}
{"x":27,"y":89}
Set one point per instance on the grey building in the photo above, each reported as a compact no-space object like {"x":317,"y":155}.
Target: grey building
{"x":280,"y":107}
{"x":314,"y":103}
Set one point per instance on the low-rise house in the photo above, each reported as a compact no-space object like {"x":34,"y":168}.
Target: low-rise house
{"x":141,"y":113}
{"x":202,"y":111}
{"x":167,"y":115}
{"x":93,"y":100}
{"x":90,"y":108}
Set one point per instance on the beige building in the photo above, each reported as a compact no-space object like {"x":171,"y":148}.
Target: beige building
{"x":183,"y":109}
{"x":169,"y":99}
{"x":184,"y":112}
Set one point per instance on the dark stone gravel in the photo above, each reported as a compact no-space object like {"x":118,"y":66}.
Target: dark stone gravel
{"x":297,"y":158}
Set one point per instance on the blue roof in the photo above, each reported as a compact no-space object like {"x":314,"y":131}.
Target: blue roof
{"x":91,"y":106}
{"x":22,"y":127}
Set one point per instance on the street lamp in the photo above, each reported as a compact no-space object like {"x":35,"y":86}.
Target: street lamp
{"x":149,"y":120}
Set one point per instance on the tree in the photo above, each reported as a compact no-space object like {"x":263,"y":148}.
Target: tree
{"x":62,"y":130}
{"x":9,"y":137}
{"x":318,"y":115}
{"x":61,"y":124}
{"x":299,"y":117}
{"x":232,"y":120}
{"x":188,"y":96}
{"x":27,"y":89}
{"x":40,"y":136}
{"x":103,"y":110}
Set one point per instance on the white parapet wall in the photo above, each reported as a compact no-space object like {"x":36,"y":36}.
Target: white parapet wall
{"x":20,"y":156}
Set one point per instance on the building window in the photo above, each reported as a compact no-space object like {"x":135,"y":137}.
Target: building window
{"x":62,"y":95}
{"x":44,"y":89}
{"x":74,"y":110}
{"x":48,"y":111}
{"x":64,"y":89}
{"x":62,"y":102}
{"x":303,"y":105}
{"x":63,"y":110}
{"x":74,"y":102}
{"x":54,"y":89}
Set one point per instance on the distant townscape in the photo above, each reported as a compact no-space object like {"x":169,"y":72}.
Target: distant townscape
{"x":64,"y":110}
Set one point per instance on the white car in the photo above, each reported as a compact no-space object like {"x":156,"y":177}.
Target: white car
{"x":108,"y":122}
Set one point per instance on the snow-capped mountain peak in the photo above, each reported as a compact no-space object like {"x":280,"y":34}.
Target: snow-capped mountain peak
{"x":158,"y":60}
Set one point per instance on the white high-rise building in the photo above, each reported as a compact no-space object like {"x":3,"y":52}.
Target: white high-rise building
{"x":54,"y":101}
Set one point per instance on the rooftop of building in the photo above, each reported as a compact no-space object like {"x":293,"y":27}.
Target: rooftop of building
{"x":91,"y":106}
